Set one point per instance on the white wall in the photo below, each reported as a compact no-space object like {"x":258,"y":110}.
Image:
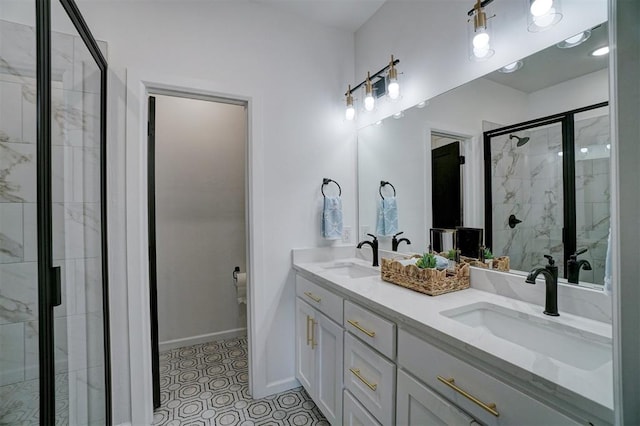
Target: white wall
{"x":283,"y":63}
{"x":200,"y":154}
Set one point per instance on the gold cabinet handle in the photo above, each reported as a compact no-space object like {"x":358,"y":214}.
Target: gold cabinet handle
{"x":491,"y":407}
{"x":357,"y":325}
{"x":356,"y":372}
{"x":313,"y":334}
{"x":308,"y":333}
{"x":312,"y":296}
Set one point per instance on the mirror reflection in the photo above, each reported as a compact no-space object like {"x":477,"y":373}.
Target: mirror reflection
{"x":547,"y":178}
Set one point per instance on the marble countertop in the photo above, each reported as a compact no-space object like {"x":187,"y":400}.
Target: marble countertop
{"x":589,"y":391}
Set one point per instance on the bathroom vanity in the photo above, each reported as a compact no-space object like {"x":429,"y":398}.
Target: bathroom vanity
{"x":370,"y":352}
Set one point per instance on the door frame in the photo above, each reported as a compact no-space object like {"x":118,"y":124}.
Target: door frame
{"x":140,"y":85}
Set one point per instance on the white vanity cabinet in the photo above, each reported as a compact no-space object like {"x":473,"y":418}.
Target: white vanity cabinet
{"x":319,"y":351}
{"x":482,"y":396}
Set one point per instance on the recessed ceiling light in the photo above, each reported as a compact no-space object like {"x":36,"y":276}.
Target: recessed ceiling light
{"x":601,"y":51}
{"x":398,"y":115}
{"x":379,"y":123}
{"x":515,"y":66}
{"x":575,"y":40}
{"x":422,"y":104}
{"x":584,"y":150}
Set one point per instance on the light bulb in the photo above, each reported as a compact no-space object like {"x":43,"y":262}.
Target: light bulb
{"x":541,"y":7}
{"x":481,"y":53}
{"x":560,"y":154}
{"x":575,"y":39}
{"x":608,"y":146}
{"x":546,"y":19}
{"x":369,"y":102}
{"x":350,"y":113}
{"x":394,"y":89}
{"x":481,"y":40}
{"x":584,"y":150}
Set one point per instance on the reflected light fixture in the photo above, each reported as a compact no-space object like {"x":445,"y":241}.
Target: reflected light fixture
{"x":398,"y":115}
{"x":422,"y":104}
{"x":543,"y":14}
{"x":480,"y":37}
{"x":513,"y":67}
{"x":584,"y":150}
{"x":369,"y":101}
{"x":350,"y":112}
{"x":393,"y":87}
{"x":600,"y":51}
{"x":574,"y":41}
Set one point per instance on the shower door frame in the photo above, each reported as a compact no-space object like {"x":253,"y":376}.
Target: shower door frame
{"x":49,"y":285}
{"x":567,"y":120}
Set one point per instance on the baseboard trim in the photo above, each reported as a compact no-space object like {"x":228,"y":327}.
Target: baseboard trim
{"x":203,"y":338}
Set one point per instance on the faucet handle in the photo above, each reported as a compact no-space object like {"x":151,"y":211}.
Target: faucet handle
{"x":550,"y":259}
{"x":372,"y":236}
{"x":399,"y":233}
{"x":580,"y":251}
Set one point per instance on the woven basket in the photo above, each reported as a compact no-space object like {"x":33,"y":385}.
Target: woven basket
{"x":499,"y":263}
{"x":427,"y":281}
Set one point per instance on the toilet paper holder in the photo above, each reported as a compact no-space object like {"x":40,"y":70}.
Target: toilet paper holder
{"x":236,"y":271}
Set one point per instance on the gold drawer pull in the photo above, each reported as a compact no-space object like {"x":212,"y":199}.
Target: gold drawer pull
{"x":357,"y":325}
{"x":356,"y":372}
{"x":309,"y":338}
{"x":491,"y":407}
{"x":313,"y":334}
{"x":312,"y":297}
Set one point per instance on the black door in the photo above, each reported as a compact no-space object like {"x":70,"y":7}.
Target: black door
{"x":445,"y":184}
{"x":153,"y":283}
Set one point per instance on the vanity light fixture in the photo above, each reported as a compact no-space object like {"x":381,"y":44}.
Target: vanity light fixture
{"x":574,"y":41}
{"x":350,"y":112}
{"x":543,"y":14}
{"x":393,"y":87}
{"x":513,"y":67}
{"x":480,"y":37}
{"x":600,"y":51}
{"x":369,"y":101}
{"x":374,"y":87}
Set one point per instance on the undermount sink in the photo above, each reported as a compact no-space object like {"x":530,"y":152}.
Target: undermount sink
{"x":569,"y":345}
{"x":352,"y":270}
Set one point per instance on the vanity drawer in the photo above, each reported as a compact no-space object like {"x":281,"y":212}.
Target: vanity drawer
{"x":371,"y":378}
{"x":355,"y":414}
{"x":370,"y":328}
{"x":461,"y":383}
{"x":327,"y":302}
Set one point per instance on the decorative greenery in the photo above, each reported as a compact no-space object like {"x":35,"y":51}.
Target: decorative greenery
{"x":451,"y":255}
{"x":487,"y":254}
{"x":427,"y":260}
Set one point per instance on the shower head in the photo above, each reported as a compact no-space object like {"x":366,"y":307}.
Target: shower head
{"x":521,"y":141}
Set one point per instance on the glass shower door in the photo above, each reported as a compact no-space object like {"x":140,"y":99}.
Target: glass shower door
{"x":19,"y":313}
{"x":77,"y":225}
{"x":527,"y":196}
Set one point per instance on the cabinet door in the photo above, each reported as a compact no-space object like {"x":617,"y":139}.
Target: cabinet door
{"x":355,"y":414}
{"x":419,"y":405}
{"x":329,"y":337}
{"x":305,"y":345}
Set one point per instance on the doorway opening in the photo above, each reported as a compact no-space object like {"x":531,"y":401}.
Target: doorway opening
{"x":197,"y":168}
{"x":447,"y":176}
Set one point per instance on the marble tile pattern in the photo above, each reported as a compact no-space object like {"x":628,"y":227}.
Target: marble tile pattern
{"x":527,"y":182}
{"x":206,"y":384}
{"x":76,"y":224}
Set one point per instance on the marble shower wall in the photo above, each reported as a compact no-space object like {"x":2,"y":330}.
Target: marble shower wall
{"x":78,"y":321}
{"x":527,"y":182}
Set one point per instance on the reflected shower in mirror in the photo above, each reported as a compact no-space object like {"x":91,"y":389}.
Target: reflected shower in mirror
{"x":400,"y":150}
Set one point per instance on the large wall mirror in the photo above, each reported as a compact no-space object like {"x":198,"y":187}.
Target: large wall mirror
{"x":523,"y":152}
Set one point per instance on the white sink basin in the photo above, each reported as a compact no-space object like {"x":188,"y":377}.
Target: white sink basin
{"x":352,"y":270}
{"x":569,"y":345}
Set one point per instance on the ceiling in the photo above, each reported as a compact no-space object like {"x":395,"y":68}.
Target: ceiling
{"x":553,"y":65}
{"x":348,"y":15}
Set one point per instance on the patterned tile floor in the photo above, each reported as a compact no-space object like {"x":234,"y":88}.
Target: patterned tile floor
{"x":206,"y":384}
{"x":20,"y":402}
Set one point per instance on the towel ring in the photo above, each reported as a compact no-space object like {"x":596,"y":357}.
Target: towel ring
{"x":383,"y":183}
{"x":326,"y":181}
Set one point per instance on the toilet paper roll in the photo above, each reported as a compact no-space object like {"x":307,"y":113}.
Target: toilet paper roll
{"x":241,"y":284}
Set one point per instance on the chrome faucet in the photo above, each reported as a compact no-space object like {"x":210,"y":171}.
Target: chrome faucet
{"x":395,"y":242}
{"x":574,"y":265}
{"x":374,"y":247}
{"x":550,"y":273}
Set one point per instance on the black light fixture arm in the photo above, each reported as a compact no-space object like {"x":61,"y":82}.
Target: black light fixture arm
{"x":482,"y":4}
{"x":395,"y":62}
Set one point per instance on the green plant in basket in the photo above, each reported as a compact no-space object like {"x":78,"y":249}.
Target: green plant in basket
{"x":487,"y":254}
{"x":427,"y":260}
{"x":451,"y":255}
